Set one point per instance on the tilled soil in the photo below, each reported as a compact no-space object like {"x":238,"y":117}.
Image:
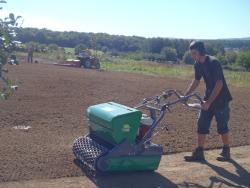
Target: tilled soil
{"x":52,"y":100}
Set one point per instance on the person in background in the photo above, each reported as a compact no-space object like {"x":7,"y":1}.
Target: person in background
{"x":30,"y":54}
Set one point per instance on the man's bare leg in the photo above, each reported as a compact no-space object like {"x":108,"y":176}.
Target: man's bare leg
{"x":201,"y":140}
{"x":225,"y":139}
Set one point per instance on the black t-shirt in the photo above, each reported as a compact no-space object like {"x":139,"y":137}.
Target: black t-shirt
{"x":211,"y":71}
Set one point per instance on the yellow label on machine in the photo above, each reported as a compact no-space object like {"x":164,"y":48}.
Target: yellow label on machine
{"x":126,"y":128}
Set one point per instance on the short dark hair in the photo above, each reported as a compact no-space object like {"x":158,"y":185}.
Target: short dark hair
{"x":199,"y":46}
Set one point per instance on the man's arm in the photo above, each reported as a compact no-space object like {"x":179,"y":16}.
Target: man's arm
{"x":194,"y":84}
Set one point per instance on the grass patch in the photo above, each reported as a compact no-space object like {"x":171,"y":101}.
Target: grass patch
{"x":149,"y":68}
{"x":69,"y":50}
{"x":181,"y":71}
{"x":239,"y":79}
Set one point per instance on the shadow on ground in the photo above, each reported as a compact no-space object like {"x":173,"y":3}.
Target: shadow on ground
{"x":133,"y":180}
{"x":143,"y":179}
{"x":226,"y":178}
{"x":151,"y":179}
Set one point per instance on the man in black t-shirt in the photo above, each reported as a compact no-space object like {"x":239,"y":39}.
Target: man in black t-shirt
{"x":216,"y":100}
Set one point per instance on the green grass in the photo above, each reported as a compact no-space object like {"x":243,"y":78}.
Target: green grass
{"x":150,"y":68}
{"x":235,"y":78}
{"x":70,"y":50}
{"x":51,"y":55}
{"x":239,"y":79}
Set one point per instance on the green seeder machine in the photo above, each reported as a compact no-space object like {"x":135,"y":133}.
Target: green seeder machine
{"x":120,"y":137}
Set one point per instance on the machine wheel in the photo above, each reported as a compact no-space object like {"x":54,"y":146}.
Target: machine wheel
{"x":97,"y":66}
{"x":87,"y":64}
{"x":102,"y":165}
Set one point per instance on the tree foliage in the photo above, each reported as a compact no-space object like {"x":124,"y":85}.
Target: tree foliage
{"x":187,"y":59}
{"x":7,"y":35}
{"x":7,"y":45}
{"x":156,"y":49}
{"x":79,"y":48}
{"x":169,"y":54}
{"x":243,"y":59}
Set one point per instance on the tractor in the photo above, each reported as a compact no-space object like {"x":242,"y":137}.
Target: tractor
{"x":88,"y":61}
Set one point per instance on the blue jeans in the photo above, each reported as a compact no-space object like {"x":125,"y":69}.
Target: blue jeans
{"x":222,"y":117}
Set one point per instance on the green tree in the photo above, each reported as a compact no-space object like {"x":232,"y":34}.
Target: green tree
{"x":42,"y":48}
{"x":210,"y":49}
{"x":7,"y":46}
{"x":187,"y":58}
{"x":119,"y":43}
{"x":214,"y":47}
{"x":154,"y":45}
{"x":243,"y":59}
{"x":41,"y":37}
{"x":34,"y":45}
{"x":230,"y":56}
{"x":7,"y":35}
{"x":169,"y":54}
{"x":79,"y":48}
{"x":53,"y":47}
{"x":222,"y":58}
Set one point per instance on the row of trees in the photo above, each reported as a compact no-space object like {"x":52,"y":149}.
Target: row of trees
{"x":156,"y":49}
{"x":230,"y":59}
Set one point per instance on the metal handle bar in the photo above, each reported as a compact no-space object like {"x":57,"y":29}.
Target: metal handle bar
{"x":154,"y":102}
{"x":166,"y":106}
{"x":196,"y":101}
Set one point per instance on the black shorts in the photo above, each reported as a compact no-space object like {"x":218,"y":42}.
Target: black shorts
{"x":222,"y":117}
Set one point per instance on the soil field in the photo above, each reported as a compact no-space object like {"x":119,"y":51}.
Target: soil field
{"x":52,"y":100}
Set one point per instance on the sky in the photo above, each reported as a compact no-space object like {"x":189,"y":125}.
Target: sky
{"x":187,"y":19}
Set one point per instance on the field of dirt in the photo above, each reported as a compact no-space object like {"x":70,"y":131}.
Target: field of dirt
{"x":52,"y":100}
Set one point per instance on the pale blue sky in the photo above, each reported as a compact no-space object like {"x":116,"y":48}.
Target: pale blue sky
{"x":200,"y":19}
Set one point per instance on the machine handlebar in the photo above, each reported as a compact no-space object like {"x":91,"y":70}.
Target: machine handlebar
{"x":161,"y":103}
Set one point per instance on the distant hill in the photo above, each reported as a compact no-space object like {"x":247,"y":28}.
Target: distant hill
{"x":244,"y":38}
{"x":123,"y":44}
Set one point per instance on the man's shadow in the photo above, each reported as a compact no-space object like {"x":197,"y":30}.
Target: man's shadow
{"x":230,"y":179}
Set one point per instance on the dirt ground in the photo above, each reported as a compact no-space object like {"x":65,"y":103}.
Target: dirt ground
{"x":52,"y":100}
{"x":173,"y":172}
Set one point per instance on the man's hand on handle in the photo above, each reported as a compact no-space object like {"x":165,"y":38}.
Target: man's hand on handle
{"x":205,"y":105}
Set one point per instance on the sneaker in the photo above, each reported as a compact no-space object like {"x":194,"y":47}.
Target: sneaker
{"x":225,"y":154}
{"x":197,"y":155}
